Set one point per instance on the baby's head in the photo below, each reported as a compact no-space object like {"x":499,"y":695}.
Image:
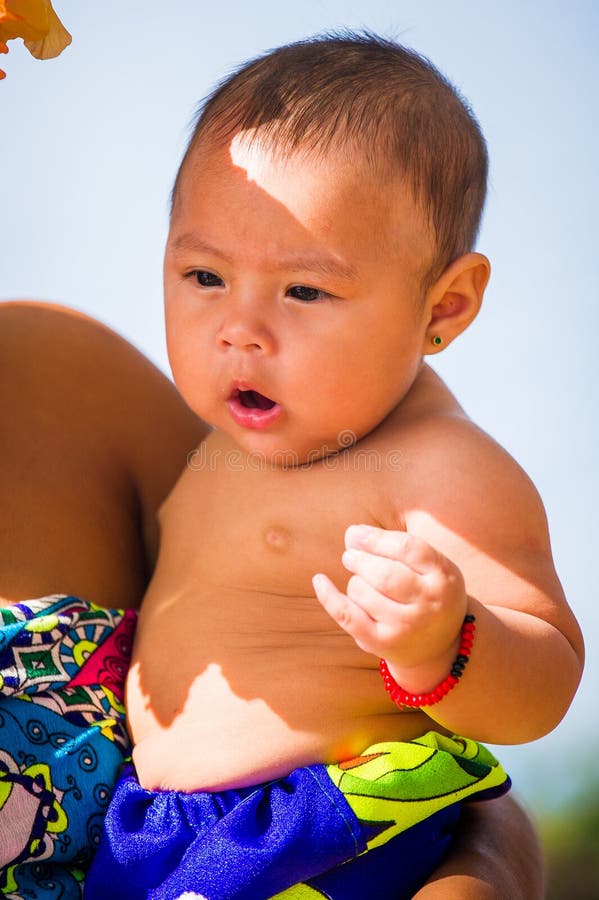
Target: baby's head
{"x":322,"y":224}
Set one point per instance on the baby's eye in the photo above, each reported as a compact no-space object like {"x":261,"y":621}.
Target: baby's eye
{"x":206,"y":279}
{"x":307,"y":294}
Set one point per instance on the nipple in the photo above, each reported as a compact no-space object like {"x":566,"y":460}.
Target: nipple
{"x":277,"y":538}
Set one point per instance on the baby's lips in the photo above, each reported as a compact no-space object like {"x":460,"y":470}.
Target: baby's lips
{"x":249,"y":395}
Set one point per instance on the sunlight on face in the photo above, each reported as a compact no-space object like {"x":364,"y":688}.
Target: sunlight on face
{"x":293,"y":178}
{"x":247,"y":152}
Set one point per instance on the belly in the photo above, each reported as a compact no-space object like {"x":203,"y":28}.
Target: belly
{"x":236,"y":690}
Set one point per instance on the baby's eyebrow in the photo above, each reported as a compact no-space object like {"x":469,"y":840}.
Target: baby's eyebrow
{"x":190,"y":241}
{"x":323,"y":264}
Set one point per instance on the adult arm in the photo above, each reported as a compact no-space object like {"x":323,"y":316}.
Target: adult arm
{"x":93,"y":436}
{"x":497,"y":856}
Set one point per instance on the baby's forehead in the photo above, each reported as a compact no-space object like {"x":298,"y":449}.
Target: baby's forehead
{"x":334,"y":194}
{"x":339,"y":175}
{"x":263,"y":156}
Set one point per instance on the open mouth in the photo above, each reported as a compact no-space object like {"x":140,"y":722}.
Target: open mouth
{"x":254,"y":400}
{"x":251,"y":409}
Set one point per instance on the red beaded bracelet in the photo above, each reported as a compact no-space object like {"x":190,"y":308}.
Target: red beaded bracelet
{"x":403,"y":698}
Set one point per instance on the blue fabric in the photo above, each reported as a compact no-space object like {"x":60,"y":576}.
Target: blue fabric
{"x":45,"y":881}
{"x":397,"y":869}
{"x":247,"y":843}
{"x":252,"y":843}
{"x":63,"y":739}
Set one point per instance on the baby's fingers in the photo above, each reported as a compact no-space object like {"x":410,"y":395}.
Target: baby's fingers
{"x":348,"y":615}
{"x":389,"y":578}
{"x":397,"y":546}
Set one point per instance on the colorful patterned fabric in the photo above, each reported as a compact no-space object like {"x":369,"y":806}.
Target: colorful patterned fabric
{"x":376,"y":826}
{"x":63,"y":663}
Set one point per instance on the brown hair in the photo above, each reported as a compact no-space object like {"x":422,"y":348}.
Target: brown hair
{"x":369,"y":92}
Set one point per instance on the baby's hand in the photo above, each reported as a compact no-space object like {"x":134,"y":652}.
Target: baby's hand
{"x":405,"y":602}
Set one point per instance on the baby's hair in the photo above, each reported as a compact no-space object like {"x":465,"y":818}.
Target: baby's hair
{"x":367,"y":93}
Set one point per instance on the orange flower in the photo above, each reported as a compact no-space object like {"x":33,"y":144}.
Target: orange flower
{"x":36,"y":22}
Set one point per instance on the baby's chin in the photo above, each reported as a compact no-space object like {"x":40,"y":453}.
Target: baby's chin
{"x":267,"y":453}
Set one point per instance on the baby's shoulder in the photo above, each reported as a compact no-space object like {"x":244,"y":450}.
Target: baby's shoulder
{"x":450,"y":469}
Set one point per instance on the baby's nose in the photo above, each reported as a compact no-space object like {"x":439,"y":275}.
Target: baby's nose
{"x":244,"y":329}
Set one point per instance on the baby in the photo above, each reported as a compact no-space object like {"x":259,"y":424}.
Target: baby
{"x":320,"y":247}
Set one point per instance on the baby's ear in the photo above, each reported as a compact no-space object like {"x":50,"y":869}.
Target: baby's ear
{"x":454,"y":300}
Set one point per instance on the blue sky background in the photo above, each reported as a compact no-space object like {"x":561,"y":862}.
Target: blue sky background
{"x":89,"y":144}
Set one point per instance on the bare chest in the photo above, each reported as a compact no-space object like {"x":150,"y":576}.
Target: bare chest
{"x":232,"y":617}
{"x":234,"y":521}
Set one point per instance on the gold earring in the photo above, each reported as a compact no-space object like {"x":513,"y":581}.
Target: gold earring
{"x":437,"y":340}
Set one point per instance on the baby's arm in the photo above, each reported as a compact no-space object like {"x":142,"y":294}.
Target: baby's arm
{"x":470,"y":501}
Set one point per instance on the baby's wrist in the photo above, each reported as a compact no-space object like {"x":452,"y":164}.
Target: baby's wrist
{"x":426,"y":684}
{"x":425,"y":676}
{"x":429,"y":670}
